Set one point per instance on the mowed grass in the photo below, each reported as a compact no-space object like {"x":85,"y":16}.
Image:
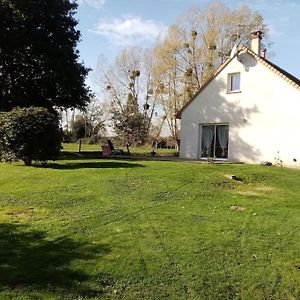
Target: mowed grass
{"x":144,"y":151}
{"x":87,"y":228}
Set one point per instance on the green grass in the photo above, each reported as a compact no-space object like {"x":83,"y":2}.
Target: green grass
{"x":86,"y":228}
{"x":144,"y":151}
{"x":84,"y":147}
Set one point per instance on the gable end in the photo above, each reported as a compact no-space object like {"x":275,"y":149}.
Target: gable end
{"x":294,"y":81}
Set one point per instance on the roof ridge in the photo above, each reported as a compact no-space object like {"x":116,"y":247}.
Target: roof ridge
{"x":293,"y":80}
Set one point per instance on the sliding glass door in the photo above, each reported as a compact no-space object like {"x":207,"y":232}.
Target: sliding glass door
{"x":214,"y":141}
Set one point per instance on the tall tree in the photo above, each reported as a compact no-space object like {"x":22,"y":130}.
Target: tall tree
{"x":38,"y":57}
{"x":95,"y":120}
{"x":194,"y":48}
{"x":127,"y":85}
{"x":167,"y":78}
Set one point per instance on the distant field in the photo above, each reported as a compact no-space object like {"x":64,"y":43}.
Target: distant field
{"x":84,"y":147}
{"x":133,"y":150}
{"x":86,"y":228}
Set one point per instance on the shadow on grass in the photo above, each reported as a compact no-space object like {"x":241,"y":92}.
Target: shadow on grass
{"x":68,"y":155}
{"x":93,"y":165}
{"x":30,"y":261}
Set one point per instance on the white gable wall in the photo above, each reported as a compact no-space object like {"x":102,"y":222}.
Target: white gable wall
{"x":263,"y":118}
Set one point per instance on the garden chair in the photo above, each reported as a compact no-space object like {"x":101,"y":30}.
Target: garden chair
{"x":114,"y":151}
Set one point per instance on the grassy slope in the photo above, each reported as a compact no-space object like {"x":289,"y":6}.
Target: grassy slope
{"x":121,"y":229}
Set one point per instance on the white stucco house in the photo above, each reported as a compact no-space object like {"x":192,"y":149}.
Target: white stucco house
{"x":249,"y":111}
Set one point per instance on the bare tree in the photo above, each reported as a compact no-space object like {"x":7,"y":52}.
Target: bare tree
{"x":127,"y":86}
{"x":194,"y":48}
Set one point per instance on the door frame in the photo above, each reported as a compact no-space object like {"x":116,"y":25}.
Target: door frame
{"x":200,"y":140}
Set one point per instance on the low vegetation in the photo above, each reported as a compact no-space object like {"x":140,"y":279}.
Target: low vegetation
{"x":134,"y":151}
{"x":87,"y":228}
{"x":29,"y":134}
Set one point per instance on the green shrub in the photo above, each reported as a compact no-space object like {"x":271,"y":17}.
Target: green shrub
{"x":29,"y":134}
{"x":91,"y":140}
{"x":68,"y":137}
{"x":79,"y":128}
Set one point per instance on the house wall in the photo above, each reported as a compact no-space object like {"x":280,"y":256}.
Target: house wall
{"x":263,"y":118}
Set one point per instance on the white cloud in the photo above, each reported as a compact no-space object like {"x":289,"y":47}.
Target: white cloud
{"x":93,"y":3}
{"x":129,"y":30}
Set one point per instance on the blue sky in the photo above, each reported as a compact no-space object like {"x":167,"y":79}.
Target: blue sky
{"x":109,"y":25}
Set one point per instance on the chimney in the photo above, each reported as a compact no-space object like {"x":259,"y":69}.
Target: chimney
{"x":264,"y":51}
{"x":256,"y":37}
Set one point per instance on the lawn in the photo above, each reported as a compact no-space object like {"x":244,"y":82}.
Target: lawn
{"x":92,"y":228}
{"x":135,"y":151}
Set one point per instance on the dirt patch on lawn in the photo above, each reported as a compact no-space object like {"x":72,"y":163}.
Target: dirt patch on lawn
{"x":266,"y":189}
{"x":237,"y":208}
{"x":21,"y":213}
{"x":248,"y":193}
{"x":234,"y":178}
{"x":224,"y":185}
{"x":257,"y":191}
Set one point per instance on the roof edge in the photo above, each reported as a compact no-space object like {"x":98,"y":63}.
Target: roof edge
{"x":291,"y":79}
{"x":288,"y":77}
{"x":219,"y":70}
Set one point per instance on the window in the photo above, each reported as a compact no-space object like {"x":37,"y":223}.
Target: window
{"x":214,"y":141}
{"x":234,"y":82}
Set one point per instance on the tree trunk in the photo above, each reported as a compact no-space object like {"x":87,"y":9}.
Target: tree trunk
{"x":177,"y":145}
{"x":27,"y":160}
{"x":128,"y":144}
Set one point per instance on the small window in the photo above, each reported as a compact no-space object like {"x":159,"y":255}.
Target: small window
{"x":234,"y":82}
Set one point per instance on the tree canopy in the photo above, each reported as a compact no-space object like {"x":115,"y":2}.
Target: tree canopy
{"x":38,"y":57}
{"x":127,"y":85}
{"x":194,"y":48}
{"x":183,"y":59}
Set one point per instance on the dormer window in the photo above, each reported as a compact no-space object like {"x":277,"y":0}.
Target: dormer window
{"x":234,"y":83}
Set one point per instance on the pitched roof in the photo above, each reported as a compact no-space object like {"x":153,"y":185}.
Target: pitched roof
{"x":294,"y":81}
{"x":282,"y":73}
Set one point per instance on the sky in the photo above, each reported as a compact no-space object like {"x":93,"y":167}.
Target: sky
{"x":107,"y":26}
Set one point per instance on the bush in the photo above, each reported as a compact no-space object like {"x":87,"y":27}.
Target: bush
{"x":91,"y":140}
{"x":68,"y":137}
{"x":79,"y":128}
{"x":29,"y":134}
{"x":83,"y":129}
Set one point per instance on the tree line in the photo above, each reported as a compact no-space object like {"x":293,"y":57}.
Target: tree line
{"x":147,"y":87}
